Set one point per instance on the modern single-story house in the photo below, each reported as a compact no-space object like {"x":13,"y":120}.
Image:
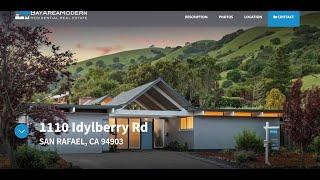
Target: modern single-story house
{"x":169,"y":116}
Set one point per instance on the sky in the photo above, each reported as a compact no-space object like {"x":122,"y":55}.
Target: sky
{"x":90,"y":42}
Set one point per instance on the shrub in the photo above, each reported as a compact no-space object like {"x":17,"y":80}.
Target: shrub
{"x":79,"y":69}
{"x":51,"y":158}
{"x":232,"y":63}
{"x":234,"y":75}
{"x":315,"y":147}
{"x":32,"y":158}
{"x":236,"y":102}
{"x":244,"y":156}
{"x":100,"y":63}
{"x":176,"y":146}
{"x":89,"y":63}
{"x":275,"y":41}
{"x":113,"y":148}
{"x":227,"y":84}
{"x":247,"y":140}
{"x":226,"y":151}
{"x":240,"y":91}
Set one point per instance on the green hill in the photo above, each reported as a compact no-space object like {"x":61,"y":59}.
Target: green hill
{"x":124,"y":58}
{"x":247,"y":44}
{"x":201,"y":47}
{"x":250,"y":41}
{"x":311,"y":19}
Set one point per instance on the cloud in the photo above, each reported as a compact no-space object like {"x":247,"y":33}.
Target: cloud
{"x":103,"y":49}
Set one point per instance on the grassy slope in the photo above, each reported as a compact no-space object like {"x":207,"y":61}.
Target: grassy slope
{"x":124,"y":56}
{"x":311,"y":19}
{"x":310,"y":81}
{"x":177,"y":52}
{"x":284,"y":34}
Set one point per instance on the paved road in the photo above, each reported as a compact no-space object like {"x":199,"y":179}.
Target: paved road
{"x":141,"y":160}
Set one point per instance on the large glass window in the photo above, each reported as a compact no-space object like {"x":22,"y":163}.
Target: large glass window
{"x":158,"y":133}
{"x":134,"y":136}
{"x":112,"y":121}
{"x":122,"y":121}
{"x":186,"y":123}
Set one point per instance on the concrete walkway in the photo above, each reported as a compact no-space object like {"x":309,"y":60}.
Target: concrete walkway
{"x":141,"y":160}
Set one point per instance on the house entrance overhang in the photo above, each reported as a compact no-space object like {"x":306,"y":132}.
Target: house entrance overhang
{"x":148,"y":113}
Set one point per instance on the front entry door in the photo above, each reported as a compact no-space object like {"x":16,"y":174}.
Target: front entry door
{"x":146,"y":137}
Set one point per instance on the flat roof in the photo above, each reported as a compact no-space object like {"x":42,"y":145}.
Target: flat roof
{"x":240,"y":109}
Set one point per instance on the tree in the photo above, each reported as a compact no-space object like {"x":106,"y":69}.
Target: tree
{"x":96,"y":83}
{"x":172,"y":71}
{"x":89,"y":63}
{"x":260,"y":89}
{"x":24,"y":71}
{"x":227,"y":84}
{"x":275,"y":41}
{"x":275,"y":99}
{"x":279,"y":70}
{"x":234,"y":75}
{"x":240,"y":91}
{"x":100,"y":64}
{"x":132,"y":61}
{"x":202,"y":82}
{"x":79,"y":69}
{"x":301,"y":115}
{"x":116,"y":60}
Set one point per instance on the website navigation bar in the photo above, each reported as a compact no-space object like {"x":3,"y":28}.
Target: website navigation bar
{"x":162,"y":19}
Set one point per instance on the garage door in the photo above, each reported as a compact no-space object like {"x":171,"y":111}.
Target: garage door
{"x":86,"y":118}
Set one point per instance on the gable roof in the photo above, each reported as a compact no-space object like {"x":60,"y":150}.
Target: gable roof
{"x":96,"y":101}
{"x":127,"y":97}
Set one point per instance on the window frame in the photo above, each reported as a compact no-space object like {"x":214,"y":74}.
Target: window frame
{"x":186,"y":123}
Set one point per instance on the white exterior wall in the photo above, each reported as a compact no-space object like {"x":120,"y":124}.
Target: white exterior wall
{"x":219,"y":132}
{"x":173,"y":133}
{"x":86,"y":118}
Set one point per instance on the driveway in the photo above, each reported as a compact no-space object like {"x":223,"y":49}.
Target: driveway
{"x":156,"y":159}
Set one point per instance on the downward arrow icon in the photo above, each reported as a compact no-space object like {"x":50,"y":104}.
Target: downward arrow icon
{"x":21,"y":131}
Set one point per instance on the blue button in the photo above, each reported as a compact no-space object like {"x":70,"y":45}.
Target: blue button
{"x":283,"y":18}
{"x":21,"y":131}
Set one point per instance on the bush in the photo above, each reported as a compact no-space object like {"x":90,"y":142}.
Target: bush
{"x":176,"y":146}
{"x":247,"y":140}
{"x":235,"y":75}
{"x":232,"y":63}
{"x":240,"y":91}
{"x":50,"y":157}
{"x":244,"y":156}
{"x":113,"y":148}
{"x":275,"y":41}
{"x":315,"y":147}
{"x":89,"y":63}
{"x":226,"y":151}
{"x":100,"y":63}
{"x":79,"y":69}
{"x":227,"y":84}
{"x":235,"y":102}
{"x":32,"y":158}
